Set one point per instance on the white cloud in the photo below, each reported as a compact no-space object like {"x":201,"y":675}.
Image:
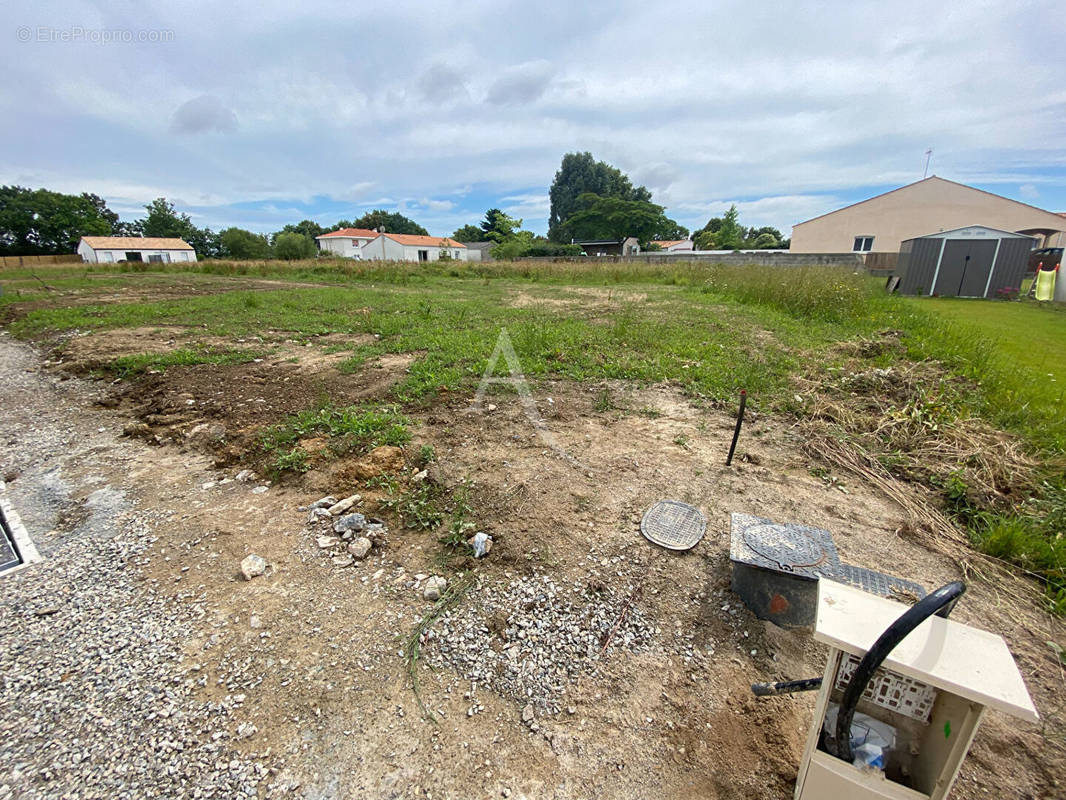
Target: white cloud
{"x":1029,"y":191}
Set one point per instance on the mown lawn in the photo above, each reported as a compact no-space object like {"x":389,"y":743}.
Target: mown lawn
{"x":1015,"y":350}
{"x":1029,"y":337}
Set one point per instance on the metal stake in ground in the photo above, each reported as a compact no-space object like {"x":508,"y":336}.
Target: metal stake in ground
{"x":736,"y":431}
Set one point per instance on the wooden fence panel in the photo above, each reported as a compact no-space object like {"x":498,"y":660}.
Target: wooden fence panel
{"x":16,"y":262}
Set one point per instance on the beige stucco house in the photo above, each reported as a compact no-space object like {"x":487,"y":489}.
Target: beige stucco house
{"x":930,"y":205}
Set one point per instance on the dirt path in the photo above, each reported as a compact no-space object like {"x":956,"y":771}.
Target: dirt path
{"x":162,"y":673}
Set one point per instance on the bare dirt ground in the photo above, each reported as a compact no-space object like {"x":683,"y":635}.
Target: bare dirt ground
{"x":318,"y":650}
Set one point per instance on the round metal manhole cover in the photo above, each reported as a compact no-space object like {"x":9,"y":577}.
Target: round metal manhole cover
{"x":673,"y":525}
{"x":785,"y":545}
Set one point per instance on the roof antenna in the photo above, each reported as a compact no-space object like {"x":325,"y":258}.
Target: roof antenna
{"x":928,"y":155}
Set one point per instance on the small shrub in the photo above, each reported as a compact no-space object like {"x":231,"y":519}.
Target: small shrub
{"x":350,"y":429}
{"x":419,"y":508}
{"x":296,"y":460}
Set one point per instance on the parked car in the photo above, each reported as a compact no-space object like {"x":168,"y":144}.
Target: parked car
{"x":1048,"y":256}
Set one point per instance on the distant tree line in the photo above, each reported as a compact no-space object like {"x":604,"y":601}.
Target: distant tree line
{"x":726,"y":233}
{"x":509,"y":240}
{"x":593,"y":201}
{"x":42,"y":222}
{"x":590,"y":201}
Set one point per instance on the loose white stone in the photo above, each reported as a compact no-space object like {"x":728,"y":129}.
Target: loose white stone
{"x":435,"y":586}
{"x":253,"y":566}
{"x":343,"y":505}
{"x":360,"y":548}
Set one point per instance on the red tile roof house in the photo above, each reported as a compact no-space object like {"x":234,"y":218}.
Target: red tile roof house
{"x":367,"y":245}
{"x":674,"y":245}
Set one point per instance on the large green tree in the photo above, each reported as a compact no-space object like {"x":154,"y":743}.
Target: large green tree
{"x":581,"y":174}
{"x":291,"y":246}
{"x":498,"y":227}
{"x":764,"y":238}
{"x":467,"y":234}
{"x":307,"y":227}
{"x":672,"y":231}
{"x":241,"y":244}
{"x":163,"y":220}
{"x":37,"y":221}
{"x":613,"y":218}
{"x":106,"y":213}
{"x":722,"y":233}
{"x":390,"y":221}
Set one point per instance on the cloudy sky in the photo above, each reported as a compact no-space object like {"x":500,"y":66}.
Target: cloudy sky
{"x":258,"y":114}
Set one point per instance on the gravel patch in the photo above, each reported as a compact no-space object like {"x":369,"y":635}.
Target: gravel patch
{"x":530,"y":638}
{"x":95,"y":702}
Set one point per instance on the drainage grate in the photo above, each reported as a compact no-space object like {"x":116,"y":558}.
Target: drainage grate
{"x":9,"y":551}
{"x":878,"y":583}
{"x":16,"y":547}
{"x":673,"y":525}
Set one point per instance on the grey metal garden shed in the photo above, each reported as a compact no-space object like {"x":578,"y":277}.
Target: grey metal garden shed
{"x":966,"y":262}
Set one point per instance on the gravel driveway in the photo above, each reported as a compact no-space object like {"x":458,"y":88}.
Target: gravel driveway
{"x":94,"y":700}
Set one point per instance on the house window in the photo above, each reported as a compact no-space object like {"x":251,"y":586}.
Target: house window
{"x":155,"y":259}
{"x":133,"y":255}
{"x":423,"y":255}
{"x":863,"y":244}
{"x":108,"y":256}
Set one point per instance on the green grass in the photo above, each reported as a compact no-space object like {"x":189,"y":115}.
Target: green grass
{"x":357,"y":429}
{"x":712,"y":348}
{"x":709,"y":329}
{"x":712,"y":329}
{"x":1016,"y":351}
{"x":129,"y":366}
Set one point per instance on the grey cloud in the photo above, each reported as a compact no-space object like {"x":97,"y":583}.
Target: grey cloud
{"x":522,"y":84}
{"x":203,"y":114}
{"x":655,"y":175}
{"x":441,"y":82}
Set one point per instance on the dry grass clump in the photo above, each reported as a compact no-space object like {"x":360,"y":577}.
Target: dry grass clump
{"x":907,"y":423}
{"x":910,"y":420}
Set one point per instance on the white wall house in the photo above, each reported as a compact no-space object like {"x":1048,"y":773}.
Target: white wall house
{"x":346,"y":242}
{"x":113,"y":249}
{"x":373,"y":246}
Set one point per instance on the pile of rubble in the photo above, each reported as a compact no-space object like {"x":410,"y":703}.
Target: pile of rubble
{"x":529,"y":638}
{"x":347,"y":536}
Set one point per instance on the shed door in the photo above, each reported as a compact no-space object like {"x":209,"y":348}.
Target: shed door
{"x":964,"y":268}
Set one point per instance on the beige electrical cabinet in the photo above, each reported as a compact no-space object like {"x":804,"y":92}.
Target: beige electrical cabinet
{"x":932,"y":690}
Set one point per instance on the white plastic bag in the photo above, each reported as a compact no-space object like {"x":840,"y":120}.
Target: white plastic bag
{"x":871,"y":739}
